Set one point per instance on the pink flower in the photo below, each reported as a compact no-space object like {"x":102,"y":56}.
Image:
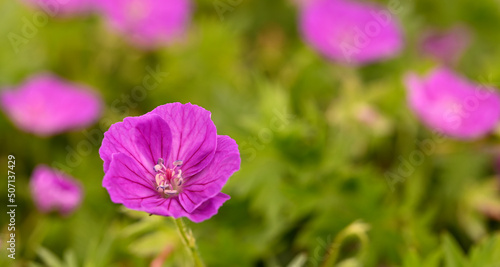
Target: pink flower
{"x":47,"y":105}
{"x":351,"y":32}
{"x":63,"y":8}
{"x":453,"y":105}
{"x":169,"y":162}
{"x":52,"y":190}
{"x":446,"y":46}
{"x":148,"y":23}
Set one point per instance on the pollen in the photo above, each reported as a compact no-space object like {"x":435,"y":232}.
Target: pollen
{"x":168,"y":180}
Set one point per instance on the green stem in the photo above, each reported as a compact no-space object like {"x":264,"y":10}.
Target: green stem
{"x":357,"y":229}
{"x":189,"y":241}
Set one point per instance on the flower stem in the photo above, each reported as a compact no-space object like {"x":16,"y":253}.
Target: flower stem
{"x":357,"y":229}
{"x":189,"y":241}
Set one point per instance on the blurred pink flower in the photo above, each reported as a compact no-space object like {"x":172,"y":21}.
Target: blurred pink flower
{"x":63,"y":8}
{"x":148,"y":23}
{"x":446,"y":46}
{"x":351,"y":32}
{"x":54,"y":191}
{"x":169,"y":162}
{"x":453,"y":105}
{"x":47,"y":105}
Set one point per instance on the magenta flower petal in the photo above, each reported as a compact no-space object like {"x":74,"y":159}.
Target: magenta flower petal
{"x":152,"y":138}
{"x":453,"y":105}
{"x":164,"y":206}
{"x":208,"y":208}
{"x":350,"y":31}
{"x":145,"y":139}
{"x":172,"y":207}
{"x":194,"y":136}
{"x":169,"y":162}
{"x":210,"y":181}
{"x":148,"y":23}
{"x":127,"y":182}
{"x":47,"y":105}
{"x":446,"y":46}
{"x":53,"y":190}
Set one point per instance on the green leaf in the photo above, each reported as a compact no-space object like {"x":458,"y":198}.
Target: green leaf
{"x":453,"y":254}
{"x":49,"y":258}
{"x":486,"y":253}
{"x":298,"y":261}
{"x":411,"y":259}
{"x":70,"y":259}
{"x":434,"y":259}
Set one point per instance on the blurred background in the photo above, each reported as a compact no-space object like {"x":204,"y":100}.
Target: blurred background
{"x":318,"y":141}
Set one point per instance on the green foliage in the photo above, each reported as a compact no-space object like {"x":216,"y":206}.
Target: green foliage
{"x":317,"y":140}
{"x":450,"y":254}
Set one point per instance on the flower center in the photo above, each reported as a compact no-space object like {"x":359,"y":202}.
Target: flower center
{"x":168,"y":181}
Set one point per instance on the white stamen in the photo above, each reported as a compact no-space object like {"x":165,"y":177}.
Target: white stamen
{"x":171,"y":192}
{"x":180,"y":180}
{"x":177,"y":163}
{"x":168,"y":180}
{"x":157,"y":168}
{"x":160,"y":179}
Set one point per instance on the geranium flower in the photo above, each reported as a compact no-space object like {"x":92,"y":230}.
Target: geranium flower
{"x":169,"y":162}
{"x":148,"y":23}
{"x":453,"y":105}
{"x":47,"y":105}
{"x":54,"y":191}
{"x":349,"y":31}
{"x":446,"y":46}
